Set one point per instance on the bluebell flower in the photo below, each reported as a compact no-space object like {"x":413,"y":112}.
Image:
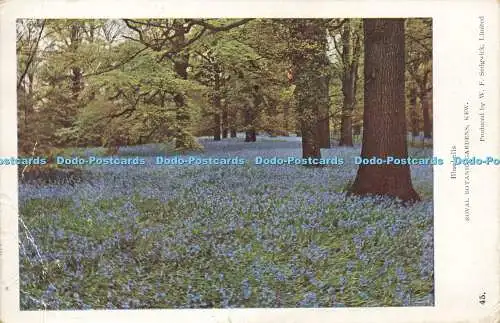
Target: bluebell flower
{"x":161,"y":228}
{"x":247,"y":291}
{"x":309,"y":300}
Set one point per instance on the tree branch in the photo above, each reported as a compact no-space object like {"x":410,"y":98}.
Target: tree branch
{"x":337,"y":49}
{"x":113,"y":67}
{"x":213,"y":28}
{"x":31,"y":57}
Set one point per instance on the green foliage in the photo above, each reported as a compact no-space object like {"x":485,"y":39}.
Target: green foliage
{"x":96,"y":82}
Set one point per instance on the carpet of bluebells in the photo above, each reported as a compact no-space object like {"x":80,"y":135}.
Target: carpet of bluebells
{"x":224,"y":236}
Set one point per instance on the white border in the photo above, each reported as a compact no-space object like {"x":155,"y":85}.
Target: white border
{"x":466,"y":256}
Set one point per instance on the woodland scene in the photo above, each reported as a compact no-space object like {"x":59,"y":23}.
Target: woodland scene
{"x":225,"y":236}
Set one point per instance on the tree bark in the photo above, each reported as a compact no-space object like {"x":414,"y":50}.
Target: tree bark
{"x":324,"y":116}
{"x":413,"y":111}
{"x":76,"y":71}
{"x":346,"y":129}
{"x":183,"y":139}
{"x":30,"y":97}
{"x":250,"y":133}
{"x":232,"y":122}
{"x":310,"y":66}
{"x":216,"y":128}
{"x":350,"y":59}
{"x":253,"y":134}
{"x":285,"y":115}
{"x":426,"y":104}
{"x":384,"y":112}
{"x":251,"y":114}
{"x":217,"y":105}
{"x":225,"y":122}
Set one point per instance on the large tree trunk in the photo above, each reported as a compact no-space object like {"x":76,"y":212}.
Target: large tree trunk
{"x":384,"y":112}
{"x":183,"y":139}
{"x":310,"y":66}
{"x":426,"y":104}
{"x":251,"y":115}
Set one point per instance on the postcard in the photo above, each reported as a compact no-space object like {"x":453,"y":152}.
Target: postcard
{"x":249,"y":161}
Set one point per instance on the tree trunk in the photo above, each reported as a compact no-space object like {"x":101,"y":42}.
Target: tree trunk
{"x":183,"y":139}
{"x":250,"y":133}
{"x":346,"y":129}
{"x":233,"y":122}
{"x":324,"y":117}
{"x":251,"y":114}
{"x":310,"y":145}
{"x":217,"y":106}
{"x":310,"y":66}
{"x":324,"y":133}
{"x":426,"y":104}
{"x":350,"y":59}
{"x":413,"y":112}
{"x":29,"y":102}
{"x":285,"y":116}
{"x":384,"y":112}
{"x":225,"y":122}
{"x":76,"y":71}
{"x":76,"y":83}
{"x":216,"y":128}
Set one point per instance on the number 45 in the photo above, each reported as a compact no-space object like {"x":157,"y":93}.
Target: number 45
{"x":482,"y":298}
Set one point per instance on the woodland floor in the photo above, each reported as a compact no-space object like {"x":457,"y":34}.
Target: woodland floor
{"x":224,"y":236}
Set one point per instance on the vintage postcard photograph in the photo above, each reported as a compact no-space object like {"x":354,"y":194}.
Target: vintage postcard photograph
{"x":201,"y":163}
{"x":233,"y":163}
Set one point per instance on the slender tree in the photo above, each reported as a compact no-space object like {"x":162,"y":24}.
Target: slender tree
{"x":426,"y":112}
{"x":350,"y":55}
{"x":414,"y":121}
{"x":384,"y":112}
{"x":225,"y":121}
{"x":419,"y":68}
